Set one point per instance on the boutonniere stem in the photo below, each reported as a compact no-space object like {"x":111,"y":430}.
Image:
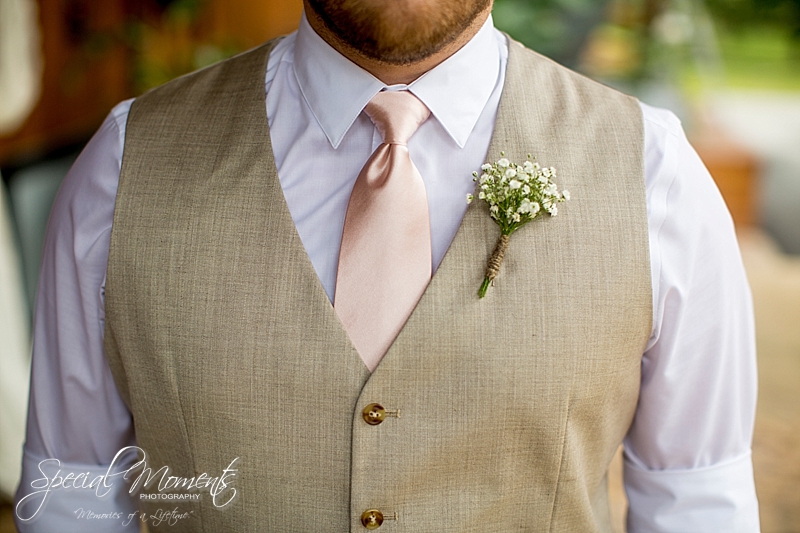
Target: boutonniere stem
{"x":493,"y":266}
{"x":516,"y":194}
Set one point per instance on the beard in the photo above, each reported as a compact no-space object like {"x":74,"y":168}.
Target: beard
{"x":398,"y":32}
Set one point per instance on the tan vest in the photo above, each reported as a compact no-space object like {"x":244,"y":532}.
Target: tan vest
{"x":224,"y":344}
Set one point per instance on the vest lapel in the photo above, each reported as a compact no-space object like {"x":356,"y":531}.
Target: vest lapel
{"x":464,"y":264}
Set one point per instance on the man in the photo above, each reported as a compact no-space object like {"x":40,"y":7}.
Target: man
{"x":216,"y":295}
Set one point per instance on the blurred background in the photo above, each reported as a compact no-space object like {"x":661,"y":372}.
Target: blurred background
{"x":730,"y":69}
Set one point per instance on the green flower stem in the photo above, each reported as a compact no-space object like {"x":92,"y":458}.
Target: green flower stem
{"x":484,"y":287}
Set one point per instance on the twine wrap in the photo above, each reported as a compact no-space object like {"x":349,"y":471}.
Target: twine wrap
{"x":493,"y":267}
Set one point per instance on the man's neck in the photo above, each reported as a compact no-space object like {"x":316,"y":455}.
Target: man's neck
{"x":388,"y":73}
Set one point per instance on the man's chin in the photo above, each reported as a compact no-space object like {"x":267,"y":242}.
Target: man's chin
{"x":399,"y":52}
{"x":398,"y":35}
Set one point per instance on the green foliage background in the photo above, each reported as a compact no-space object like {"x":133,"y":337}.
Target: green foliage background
{"x":741,"y":14}
{"x":755,"y":42}
{"x":555,"y":28}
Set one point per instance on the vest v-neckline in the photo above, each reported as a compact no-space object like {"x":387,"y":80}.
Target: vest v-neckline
{"x":472,"y":226}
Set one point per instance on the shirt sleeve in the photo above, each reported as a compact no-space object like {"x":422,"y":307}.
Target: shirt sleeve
{"x":76,"y":415}
{"x":687,"y":453}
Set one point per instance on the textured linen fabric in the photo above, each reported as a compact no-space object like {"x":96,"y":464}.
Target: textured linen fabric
{"x":202,"y":234}
{"x":478,"y":447}
{"x":208,"y":289}
{"x":686,"y":423}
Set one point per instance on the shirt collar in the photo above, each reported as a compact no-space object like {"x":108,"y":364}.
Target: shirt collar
{"x":456,"y":91}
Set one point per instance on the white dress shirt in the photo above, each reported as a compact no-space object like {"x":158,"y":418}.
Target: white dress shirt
{"x":688,"y":465}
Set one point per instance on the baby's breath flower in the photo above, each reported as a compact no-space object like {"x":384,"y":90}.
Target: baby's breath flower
{"x":470,"y":198}
{"x":516,"y":194}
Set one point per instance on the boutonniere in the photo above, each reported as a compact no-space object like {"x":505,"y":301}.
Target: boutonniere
{"x":516,"y":194}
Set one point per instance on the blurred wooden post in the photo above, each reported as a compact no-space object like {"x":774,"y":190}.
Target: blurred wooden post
{"x":252,"y":22}
{"x":83,"y":77}
{"x":735,"y":170}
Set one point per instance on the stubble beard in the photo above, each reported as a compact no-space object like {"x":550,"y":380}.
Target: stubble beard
{"x":398,"y":32}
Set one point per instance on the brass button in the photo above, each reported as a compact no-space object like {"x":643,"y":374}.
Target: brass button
{"x":374,"y":414}
{"x":372,"y":518}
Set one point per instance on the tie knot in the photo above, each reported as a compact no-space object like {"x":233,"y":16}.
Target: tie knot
{"x":397,"y":115}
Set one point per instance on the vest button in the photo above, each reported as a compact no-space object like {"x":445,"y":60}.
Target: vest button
{"x":372,"y":519}
{"x":374,"y":414}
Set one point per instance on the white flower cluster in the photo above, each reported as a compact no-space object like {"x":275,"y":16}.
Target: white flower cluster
{"x":517,"y":194}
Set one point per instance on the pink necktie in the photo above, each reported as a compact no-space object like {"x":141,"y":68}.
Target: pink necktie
{"x":385,"y":259}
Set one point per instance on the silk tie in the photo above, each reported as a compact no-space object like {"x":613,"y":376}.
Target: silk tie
{"x":385,"y":258}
